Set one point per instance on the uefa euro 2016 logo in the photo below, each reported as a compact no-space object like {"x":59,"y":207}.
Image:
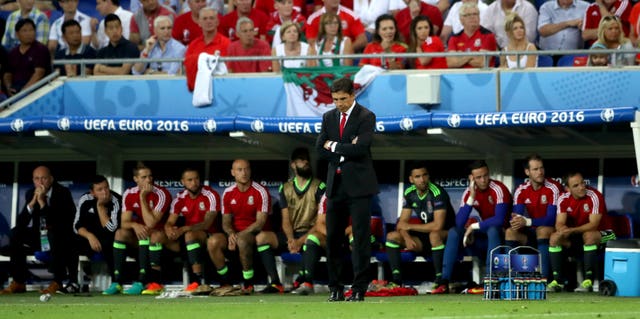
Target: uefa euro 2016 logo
{"x":210,"y":125}
{"x":64,"y":124}
{"x":607,"y":115}
{"x":406,"y":124}
{"x":17,"y":125}
{"x":453,"y":120}
{"x":257,"y":126}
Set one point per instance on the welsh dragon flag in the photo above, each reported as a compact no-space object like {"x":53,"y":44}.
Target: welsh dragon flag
{"x":308,"y":89}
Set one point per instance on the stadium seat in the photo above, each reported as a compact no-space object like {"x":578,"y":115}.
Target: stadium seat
{"x":622,"y":225}
{"x":545,"y":61}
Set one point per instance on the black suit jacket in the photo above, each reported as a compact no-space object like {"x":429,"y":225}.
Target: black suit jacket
{"x":357,"y":171}
{"x":59,"y":213}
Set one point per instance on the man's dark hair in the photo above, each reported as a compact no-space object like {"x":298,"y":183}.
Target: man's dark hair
{"x":24,"y":22}
{"x":565,"y":179}
{"x":477,"y":164}
{"x":416,"y":165}
{"x":70,"y":23}
{"x":97,"y":180}
{"x":189,"y":169}
{"x":111,"y":17}
{"x":115,"y":2}
{"x":139,"y":166}
{"x":300,"y":153}
{"x":531,"y":157}
{"x":342,"y":85}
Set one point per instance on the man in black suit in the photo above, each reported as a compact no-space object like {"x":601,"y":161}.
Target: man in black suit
{"x":50,"y":205}
{"x":345,"y":141}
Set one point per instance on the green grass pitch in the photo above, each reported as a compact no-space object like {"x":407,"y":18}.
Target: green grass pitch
{"x":565,"y":305}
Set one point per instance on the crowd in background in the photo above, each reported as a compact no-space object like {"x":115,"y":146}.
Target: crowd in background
{"x":35,"y":33}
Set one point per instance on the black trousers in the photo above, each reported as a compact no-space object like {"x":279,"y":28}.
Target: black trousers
{"x":64,"y":256}
{"x":340,"y":207}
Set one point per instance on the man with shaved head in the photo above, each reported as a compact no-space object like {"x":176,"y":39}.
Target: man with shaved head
{"x":49,"y":213}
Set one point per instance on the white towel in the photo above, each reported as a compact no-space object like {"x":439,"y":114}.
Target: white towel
{"x":208,"y":66}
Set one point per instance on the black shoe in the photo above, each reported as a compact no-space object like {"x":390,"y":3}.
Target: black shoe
{"x":356,"y":296}
{"x":70,"y":288}
{"x":336,"y":295}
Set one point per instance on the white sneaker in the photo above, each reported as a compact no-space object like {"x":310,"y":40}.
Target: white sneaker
{"x":304,"y":289}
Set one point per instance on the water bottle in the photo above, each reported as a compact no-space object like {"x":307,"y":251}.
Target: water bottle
{"x":44,"y":235}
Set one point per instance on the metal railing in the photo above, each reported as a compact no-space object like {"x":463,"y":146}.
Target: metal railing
{"x":14,"y":98}
{"x":486,"y":54}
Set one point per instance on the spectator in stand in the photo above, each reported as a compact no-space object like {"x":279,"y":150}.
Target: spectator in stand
{"x":211,"y":41}
{"x":560,"y":25}
{"x":218,"y":5}
{"x":386,"y":40}
{"x":29,"y":63}
{"x":611,"y":36}
{"x":48,"y":206}
{"x":473,"y":37}
{"x":331,"y":41}
{"x":75,"y":49}
{"x":12,"y":5}
{"x":158,"y":46}
{"x":517,"y":34}
{"x":598,"y":59}
{"x":118,"y":48}
{"x":69,"y":12}
{"x":26,"y":11}
{"x":353,"y":27}
{"x":270,"y":6}
{"x":142,"y":23}
{"x":186,"y":27}
{"x":318,"y":4}
{"x":97,"y":219}
{"x":496,"y":15}
{"x":368,"y":11}
{"x":175,"y":5}
{"x":602,"y":8}
{"x":248,"y":45}
{"x":416,"y":8}
{"x":243,"y":9}
{"x":100,"y":39}
{"x":422,"y":40}
{"x":452,"y":23}
{"x":284,"y":12}
{"x":443,"y":5}
{"x":292,"y":46}
{"x":635,"y":21}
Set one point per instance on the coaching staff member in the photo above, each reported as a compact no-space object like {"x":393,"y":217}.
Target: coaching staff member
{"x":345,"y":141}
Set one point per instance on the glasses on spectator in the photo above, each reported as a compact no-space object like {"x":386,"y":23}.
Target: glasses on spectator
{"x":471,"y":14}
{"x":609,"y":18}
{"x":332,"y":23}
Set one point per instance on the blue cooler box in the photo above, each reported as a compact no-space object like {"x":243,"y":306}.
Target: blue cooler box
{"x":622,"y":266}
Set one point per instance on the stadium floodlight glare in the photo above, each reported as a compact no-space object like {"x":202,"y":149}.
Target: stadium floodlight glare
{"x":435,"y":131}
{"x":237,"y":134}
{"x":42,"y":133}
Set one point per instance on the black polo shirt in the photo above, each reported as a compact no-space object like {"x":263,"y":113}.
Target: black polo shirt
{"x":123,"y":49}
